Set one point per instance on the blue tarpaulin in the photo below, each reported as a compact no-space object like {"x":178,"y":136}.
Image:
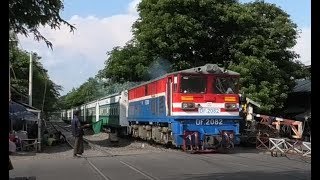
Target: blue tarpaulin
{"x":18,"y":111}
{"x":19,"y":116}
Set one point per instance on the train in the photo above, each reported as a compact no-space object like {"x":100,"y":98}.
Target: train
{"x":193,"y":109}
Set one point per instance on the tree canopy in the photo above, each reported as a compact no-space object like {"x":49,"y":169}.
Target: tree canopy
{"x":253,"y":39}
{"x":45,"y":92}
{"x":26,"y":16}
{"x":92,"y":89}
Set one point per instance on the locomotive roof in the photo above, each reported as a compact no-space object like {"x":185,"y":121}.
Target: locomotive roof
{"x":206,"y":69}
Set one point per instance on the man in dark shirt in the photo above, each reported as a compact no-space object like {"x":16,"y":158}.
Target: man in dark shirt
{"x":77,"y":132}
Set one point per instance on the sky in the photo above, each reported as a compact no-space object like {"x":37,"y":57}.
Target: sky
{"x":104,"y":24}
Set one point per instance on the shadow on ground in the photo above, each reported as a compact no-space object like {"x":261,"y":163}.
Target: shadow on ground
{"x":285,"y":175}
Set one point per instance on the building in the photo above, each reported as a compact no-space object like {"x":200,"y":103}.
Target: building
{"x":298,"y":104}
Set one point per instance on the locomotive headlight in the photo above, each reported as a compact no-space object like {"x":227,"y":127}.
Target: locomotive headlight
{"x":230,"y":106}
{"x":188,"y":106}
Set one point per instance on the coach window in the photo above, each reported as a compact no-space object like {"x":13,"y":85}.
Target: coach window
{"x":103,"y":110}
{"x":100,"y":110}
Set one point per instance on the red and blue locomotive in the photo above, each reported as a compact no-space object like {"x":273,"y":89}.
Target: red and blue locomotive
{"x":195,"y":109}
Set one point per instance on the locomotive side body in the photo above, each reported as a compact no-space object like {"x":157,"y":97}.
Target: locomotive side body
{"x":147,"y":110}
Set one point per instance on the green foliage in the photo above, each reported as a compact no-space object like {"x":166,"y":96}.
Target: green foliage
{"x":44,"y":91}
{"x":126,"y":64}
{"x":262,"y":55}
{"x":261,"y":81}
{"x":86,"y":92}
{"x":92,"y":89}
{"x":26,"y":16}
{"x":187,"y":33}
{"x":253,"y":39}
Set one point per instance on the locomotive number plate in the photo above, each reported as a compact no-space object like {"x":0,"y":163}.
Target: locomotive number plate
{"x":208,"y":122}
{"x":208,"y":110}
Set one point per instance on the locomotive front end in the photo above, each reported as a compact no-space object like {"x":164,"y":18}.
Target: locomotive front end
{"x":205,"y":108}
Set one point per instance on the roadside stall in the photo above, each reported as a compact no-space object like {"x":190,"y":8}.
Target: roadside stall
{"x":25,"y":125}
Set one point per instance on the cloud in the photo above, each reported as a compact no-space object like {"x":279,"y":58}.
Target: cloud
{"x":303,"y":46}
{"x":132,"y":9}
{"x":80,"y":55}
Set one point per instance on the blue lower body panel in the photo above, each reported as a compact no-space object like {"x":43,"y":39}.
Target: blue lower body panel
{"x":205,"y":127}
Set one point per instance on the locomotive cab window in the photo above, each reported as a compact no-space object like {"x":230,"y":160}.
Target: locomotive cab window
{"x":226,"y":85}
{"x":193,"y":84}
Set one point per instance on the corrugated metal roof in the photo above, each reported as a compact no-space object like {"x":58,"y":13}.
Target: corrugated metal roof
{"x":302,"y":85}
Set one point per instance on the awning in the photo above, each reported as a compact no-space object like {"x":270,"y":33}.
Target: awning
{"x":20,"y":112}
{"x":16,"y":108}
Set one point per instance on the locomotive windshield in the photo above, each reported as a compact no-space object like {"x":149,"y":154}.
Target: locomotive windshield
{"x":226,"y":85}
{"x":193,"y":84}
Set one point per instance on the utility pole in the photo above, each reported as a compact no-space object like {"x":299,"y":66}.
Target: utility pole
{"x":44,"y":93}
{"x":30,"y":80}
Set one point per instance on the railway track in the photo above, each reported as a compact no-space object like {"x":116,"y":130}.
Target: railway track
{"x":66,"y":130}
{"x":264,"y":161}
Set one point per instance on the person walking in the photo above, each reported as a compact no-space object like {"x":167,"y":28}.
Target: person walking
{"x":77,"y":132}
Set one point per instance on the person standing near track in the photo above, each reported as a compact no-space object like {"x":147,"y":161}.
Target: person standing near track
{"x":77,"y":132}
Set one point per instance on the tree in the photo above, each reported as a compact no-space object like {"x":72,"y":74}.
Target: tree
{"x":91,"y":90}
{"x":187,"y":33}
{"x":262,"y":56}
{"x":128,"y":63}
{"x":25,"y":16}
{"x":45,"y":92}
{"x":253,"y":39}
